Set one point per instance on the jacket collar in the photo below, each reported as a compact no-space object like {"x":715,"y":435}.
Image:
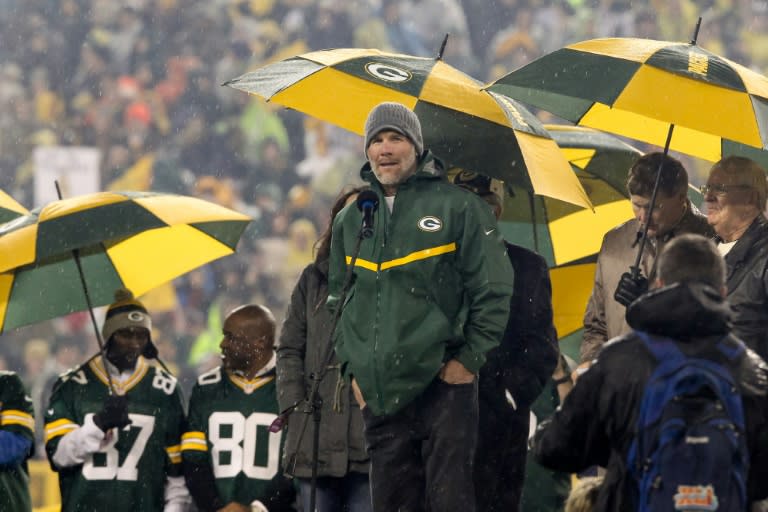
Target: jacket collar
{"x":686,"y":224}
{"x":681,"y":311}
{"x":741,"y":249}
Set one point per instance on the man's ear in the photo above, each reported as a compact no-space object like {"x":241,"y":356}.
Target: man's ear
{"x":724,"y":291}
{"x":658,"y":283}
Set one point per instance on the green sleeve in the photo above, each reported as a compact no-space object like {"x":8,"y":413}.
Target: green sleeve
{"x":488,"y":281}
{"x":194,"y":445}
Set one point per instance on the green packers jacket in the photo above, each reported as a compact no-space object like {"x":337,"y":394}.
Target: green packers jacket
{"x":433,"y":283}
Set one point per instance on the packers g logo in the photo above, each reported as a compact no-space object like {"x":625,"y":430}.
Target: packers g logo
{"x":430,"y":224}
{"x":136,"y":316}
{"x":387,"y":72}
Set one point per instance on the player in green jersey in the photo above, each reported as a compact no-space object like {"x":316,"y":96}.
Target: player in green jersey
{"x":16,"y":442}
{"x":118,"y":450}
{"x":231,"y":460}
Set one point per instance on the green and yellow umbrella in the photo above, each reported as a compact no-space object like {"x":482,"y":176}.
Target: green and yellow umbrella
{"x":569,"y":238}
{"x":9,"y":208}
{"x":561,"y":232}
{"x":122,"y":239}
{"x":462,"y":124}
{"x":639,"y":87}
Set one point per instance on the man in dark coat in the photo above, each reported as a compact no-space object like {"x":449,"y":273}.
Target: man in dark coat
{"x":735,"y":195}
{"x":515,"y":372}
{"x":596,"y":423}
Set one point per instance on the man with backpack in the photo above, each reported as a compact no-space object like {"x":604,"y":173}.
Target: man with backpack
{"x":676,"y":410}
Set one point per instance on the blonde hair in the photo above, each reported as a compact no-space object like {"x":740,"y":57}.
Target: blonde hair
{"x":583,"y":495}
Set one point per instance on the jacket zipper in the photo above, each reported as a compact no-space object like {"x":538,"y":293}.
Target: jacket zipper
{"x":388,"y":219}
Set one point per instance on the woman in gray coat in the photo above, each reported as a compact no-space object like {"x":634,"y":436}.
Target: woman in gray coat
{"x":342,"y":483}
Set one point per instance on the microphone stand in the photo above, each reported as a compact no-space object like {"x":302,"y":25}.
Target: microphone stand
{"x":313,"y":403}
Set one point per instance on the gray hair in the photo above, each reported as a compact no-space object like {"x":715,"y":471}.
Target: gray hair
{"x":748,"y":172}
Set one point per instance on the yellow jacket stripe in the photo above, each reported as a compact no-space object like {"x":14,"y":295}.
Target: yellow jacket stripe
{"x":16,"y":417}
{"x":410,"y":258}
{"x":59,"y":428}
{"x":174,"y":453}
{"x":194,"y":441}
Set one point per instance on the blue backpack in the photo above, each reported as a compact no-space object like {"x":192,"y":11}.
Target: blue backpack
{"x":690,"y":451}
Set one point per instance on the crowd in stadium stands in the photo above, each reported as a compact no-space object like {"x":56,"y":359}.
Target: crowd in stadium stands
{"x":140,"y":81}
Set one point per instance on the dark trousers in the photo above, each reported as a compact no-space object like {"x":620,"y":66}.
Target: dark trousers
{"x":501,"y":456}
{"x":350,"y":493}
{"x":422,"y":456}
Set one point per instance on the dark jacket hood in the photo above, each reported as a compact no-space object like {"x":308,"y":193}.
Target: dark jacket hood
{"x":429,"y":166}
{"x":681,"y":311}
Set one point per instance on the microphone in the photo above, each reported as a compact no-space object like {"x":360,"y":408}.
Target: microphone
{"x":368,"y":203}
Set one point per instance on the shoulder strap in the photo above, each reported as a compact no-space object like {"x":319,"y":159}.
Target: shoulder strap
{"x":664,"y":350}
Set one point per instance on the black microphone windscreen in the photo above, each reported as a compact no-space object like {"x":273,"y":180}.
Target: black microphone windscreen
{"x":367,"y":196}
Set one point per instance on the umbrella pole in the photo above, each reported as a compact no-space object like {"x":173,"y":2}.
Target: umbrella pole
{"x":532,"y":204}
{"x":635,"y":269}
{"x":442,"y":47}
{"x":696,"y":31}
{"x":99,"y":340}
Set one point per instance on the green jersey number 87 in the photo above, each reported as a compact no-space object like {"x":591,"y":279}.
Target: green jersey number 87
{"x":108,"y":466}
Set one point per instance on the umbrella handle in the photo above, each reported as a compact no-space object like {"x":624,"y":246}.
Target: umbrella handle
{"x":99,"y":340}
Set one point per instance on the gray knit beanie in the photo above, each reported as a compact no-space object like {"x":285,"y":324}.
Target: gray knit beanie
{"x":396,"y":117}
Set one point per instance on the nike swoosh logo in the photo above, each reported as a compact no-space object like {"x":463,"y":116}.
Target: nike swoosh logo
{"x":488,"y":232}
{"x":50,"y":411}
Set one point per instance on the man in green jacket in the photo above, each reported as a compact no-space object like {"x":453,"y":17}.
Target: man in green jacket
{"x":430,"y":296}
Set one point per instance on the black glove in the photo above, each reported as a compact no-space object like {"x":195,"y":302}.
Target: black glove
{"x":113,"y":414}
{"x":630,"y":288}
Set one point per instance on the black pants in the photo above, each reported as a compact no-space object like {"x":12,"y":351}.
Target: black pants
{"x":501,"y":456}
{"x":422,"y":456}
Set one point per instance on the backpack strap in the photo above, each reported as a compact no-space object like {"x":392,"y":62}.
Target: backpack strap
{"x":664,"y":350}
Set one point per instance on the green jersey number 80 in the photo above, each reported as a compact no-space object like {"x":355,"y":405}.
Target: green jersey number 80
{"x":236,"y":445}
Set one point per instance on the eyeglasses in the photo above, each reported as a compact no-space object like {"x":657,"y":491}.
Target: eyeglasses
{"x":719,"y":189}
